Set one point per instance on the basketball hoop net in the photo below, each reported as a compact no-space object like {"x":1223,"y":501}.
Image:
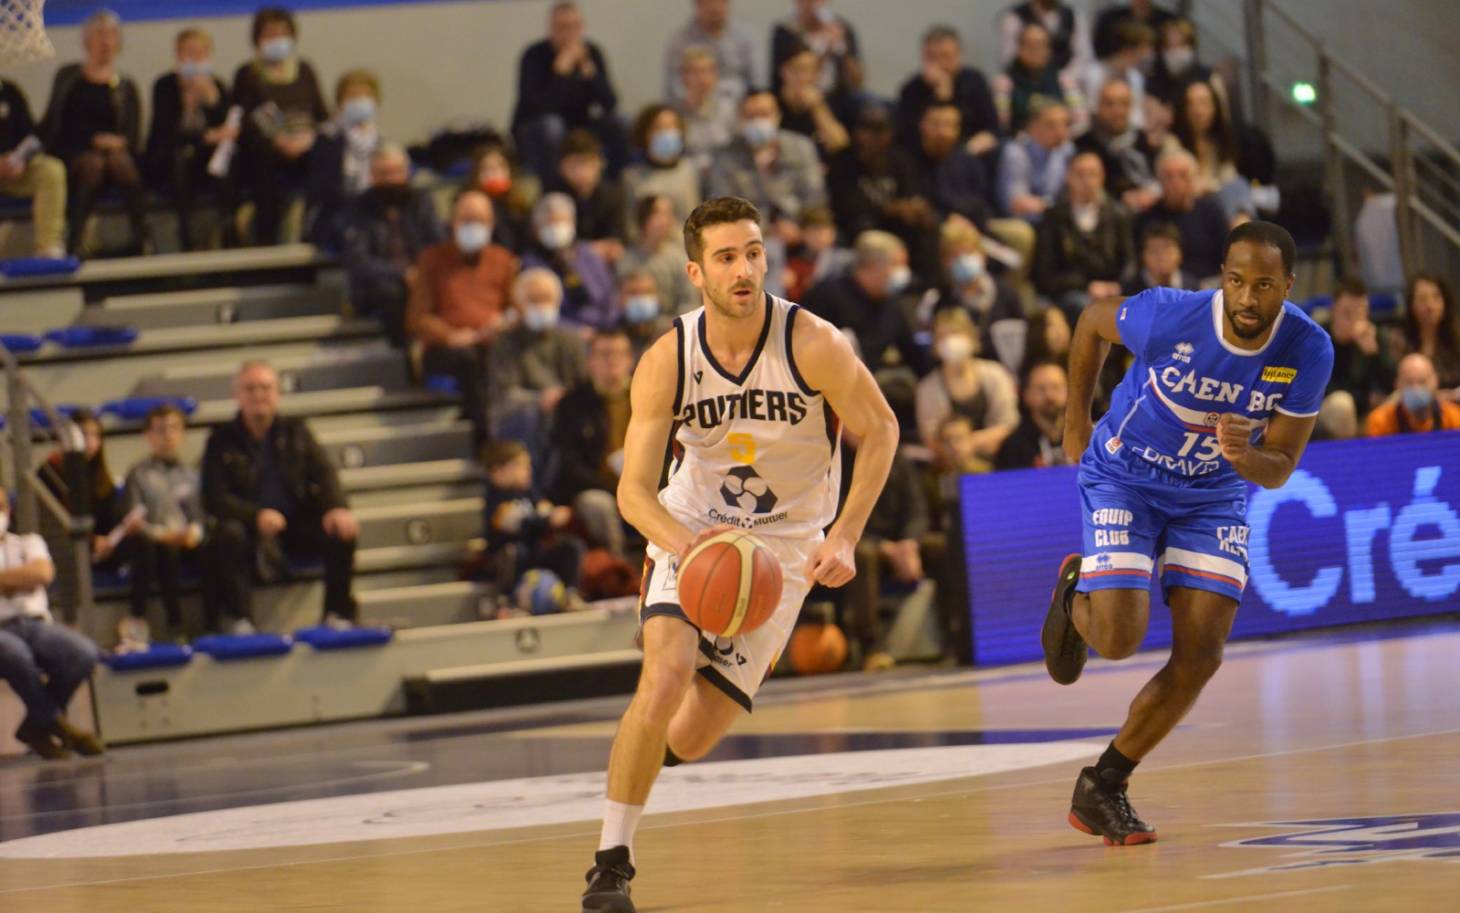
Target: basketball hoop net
{"x":22,"y":32}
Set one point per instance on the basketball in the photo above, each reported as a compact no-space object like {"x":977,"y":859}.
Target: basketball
{"x":817,"y":649}
{"x":729,"y":584}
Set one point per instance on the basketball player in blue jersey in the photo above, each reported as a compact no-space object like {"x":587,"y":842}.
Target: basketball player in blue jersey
{"x":1224,"y":390}
{"x":749,"y":394}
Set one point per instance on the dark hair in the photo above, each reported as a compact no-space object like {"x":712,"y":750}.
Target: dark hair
{"x":268,"y":15}
{"x":1130,"y":34}
{"x":715,"y":211}
{"x":617,"y":331}
{"x":644,"y":207}
{"x":1221,"y":133}
{"x":1351,"y":286}
{"x":162,"y":411}
{"x":496,"y":454}
{"x":1269,"y":233}
{"x":1027,"y":370}
{"x":941,"y":31}
{"x":103,"y":488}
{"x":645,"y":122}
{"x":579,"y":142}
{"x":1163,"y":230}
{"x":754,"y":91}
{"x":1449,"y":330}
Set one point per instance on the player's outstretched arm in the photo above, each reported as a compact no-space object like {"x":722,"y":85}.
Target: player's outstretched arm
{"x":827,"y":362}
{"x":651,"y":398}
{"x":1090,"y":344}
{"x":1270,"y":463}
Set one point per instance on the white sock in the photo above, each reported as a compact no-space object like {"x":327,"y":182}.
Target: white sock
{"x":619,"y":823}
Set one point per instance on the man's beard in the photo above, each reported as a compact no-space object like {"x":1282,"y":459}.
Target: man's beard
{"x":727,"y":305}
{"x":1262,"y":325}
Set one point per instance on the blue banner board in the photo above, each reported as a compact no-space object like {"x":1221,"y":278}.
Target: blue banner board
{"x":1363,"y":531}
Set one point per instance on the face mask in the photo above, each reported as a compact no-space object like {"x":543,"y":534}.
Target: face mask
{"x":666,"y":145}
{"x":358,"y":110}
{"x":4,"y":523}
{"x":539,"y":320}
{"x":1178,"y":59}
{"x":557,"y":235}
{"x":497,"y":186}
{"x":967,"y":268}
{"x":825,"y":15}
{"x":954,"y":349}
{"x":277,"y":50}
{"x":471,"y":237}
{"x":898,"y":279}
{"x":758,"y":131}
{"x":1417,"y":400}
{"x":641,"y":308}
{"x":189,"y":69}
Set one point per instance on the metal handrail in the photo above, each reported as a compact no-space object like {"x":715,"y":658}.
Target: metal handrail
{"x":1428,"y":132}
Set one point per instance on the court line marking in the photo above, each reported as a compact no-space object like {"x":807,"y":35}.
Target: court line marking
{"x":1195,"y":905}
{"x":774,"y":813}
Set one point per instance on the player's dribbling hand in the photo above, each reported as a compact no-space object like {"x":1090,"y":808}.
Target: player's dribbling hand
{"x":1234,"y":433}
{"x":715,"y":530}
{"x":832,"y":564}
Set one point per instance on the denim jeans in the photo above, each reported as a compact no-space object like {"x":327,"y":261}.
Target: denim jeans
{"x":44,"y":663}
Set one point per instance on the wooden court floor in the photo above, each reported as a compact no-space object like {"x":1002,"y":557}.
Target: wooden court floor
{"x":1316,"y":775}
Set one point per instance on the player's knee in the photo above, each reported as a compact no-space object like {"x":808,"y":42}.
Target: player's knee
{"x":1196,"y":667}
{"x":1120,"y":642}
{"x":662,"y":687}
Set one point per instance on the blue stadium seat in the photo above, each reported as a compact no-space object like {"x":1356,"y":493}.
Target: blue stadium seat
{"x":1383,"y":303}
{"x":156,"y":656}
{"x":135,"y":408}
{"x":441,"y":383}
{"x":21,"y":343}
{"x":39,"y":419}
{"x":323,"y":637}
{"x":23,"y":267}
{"x":86,"y":337}
{"x":224,"y":647}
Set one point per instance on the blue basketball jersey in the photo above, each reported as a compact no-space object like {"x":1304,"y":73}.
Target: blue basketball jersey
{"x":1163,"y":416}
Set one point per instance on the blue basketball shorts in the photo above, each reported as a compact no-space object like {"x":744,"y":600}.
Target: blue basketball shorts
{"x":1134,"y":526}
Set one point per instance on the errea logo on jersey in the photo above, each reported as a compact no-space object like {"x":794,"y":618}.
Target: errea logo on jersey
{"x":1183,"y":352}
{"x":1276,"y":375}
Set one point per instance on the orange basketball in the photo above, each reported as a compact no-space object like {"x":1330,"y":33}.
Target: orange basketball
{"x":729,"y":584}
{"x":817,"y":649}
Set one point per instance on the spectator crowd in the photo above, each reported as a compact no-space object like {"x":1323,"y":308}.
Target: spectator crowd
{"x":954,"y":232}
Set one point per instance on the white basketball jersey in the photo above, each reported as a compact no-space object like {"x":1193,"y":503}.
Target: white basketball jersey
{"x":759,"y":450}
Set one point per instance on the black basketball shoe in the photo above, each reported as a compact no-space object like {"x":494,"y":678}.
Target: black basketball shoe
{"x":1100,"y":807}
{"x":1064,"y":649}
{"x":608,"y":882}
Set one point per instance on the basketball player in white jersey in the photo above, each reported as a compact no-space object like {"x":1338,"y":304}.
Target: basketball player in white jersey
{"x":748,"y":394}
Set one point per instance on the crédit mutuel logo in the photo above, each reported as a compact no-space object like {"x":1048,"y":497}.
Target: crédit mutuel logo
{"x":1330,"y":842}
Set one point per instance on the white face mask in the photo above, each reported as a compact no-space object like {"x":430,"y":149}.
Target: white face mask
{"x":955,"y":349}
{"x":4,"y":523}
{"x":556,"y":236}
{"x":1178,"y":59}
{"x":540,"y":320}
{"x":898,"y":279}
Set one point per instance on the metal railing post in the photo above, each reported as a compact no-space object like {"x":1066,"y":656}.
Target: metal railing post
{"x":1403,"y":188}
{"x":1257,"y":64}
{"x":1333,"y":175}
{"x":20,"y":450}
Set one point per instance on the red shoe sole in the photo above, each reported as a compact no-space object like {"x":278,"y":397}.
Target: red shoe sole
{"x":1130,"y":840}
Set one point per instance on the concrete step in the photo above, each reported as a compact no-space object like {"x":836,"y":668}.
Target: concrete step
{"x":306,"y":405}
{"x":414,"y":525}
{"x":355,"y":448}
{"x":125,"y":445}
{"x":415,"y":494}
{"x":372,"y":364}
{"x":429,"y":604}
{"x":407,"y":557}
{"x":211,"y":306}
{"x":434,"y":472}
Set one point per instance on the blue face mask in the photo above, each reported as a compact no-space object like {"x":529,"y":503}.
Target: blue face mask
{"x":189,"y":69}
{"x":358,"y":110}
{"x":758,"y":131}
{"x":967,"y":268}
{"x":641,"y":308}
{"x":540,"y":320}
{"x":1417,"y":400}
{"x":277,"y":50}
{"x":666,"y":145}
{"x":471,"y":237}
